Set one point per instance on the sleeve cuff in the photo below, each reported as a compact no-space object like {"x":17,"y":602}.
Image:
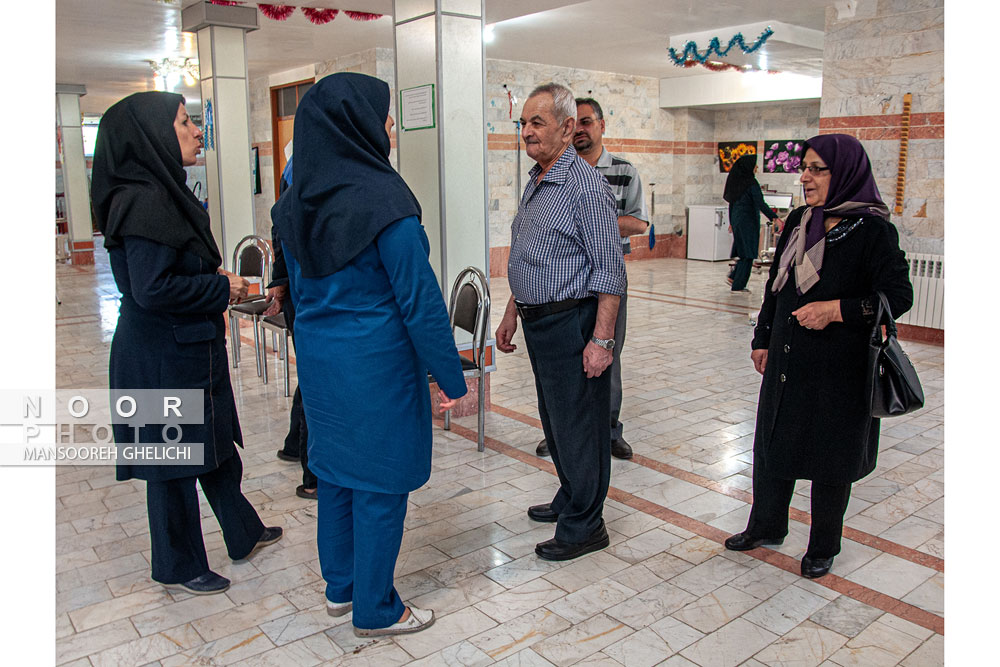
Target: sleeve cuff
{"x":853,"y":312}
{"x":606,"y":283}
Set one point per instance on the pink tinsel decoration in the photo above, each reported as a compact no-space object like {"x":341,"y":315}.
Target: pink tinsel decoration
{"x":320,"y":16}
{"x":276,"y":12}
{"x":362,"y":16}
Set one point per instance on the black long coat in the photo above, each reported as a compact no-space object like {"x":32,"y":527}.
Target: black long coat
{"x":812,"y":418}
{"x":171,"y":335}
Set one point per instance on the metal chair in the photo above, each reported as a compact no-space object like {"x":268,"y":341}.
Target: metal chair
{"x":252,"y":259}
{"x":277,"y":325}
{"x":469,"y":309}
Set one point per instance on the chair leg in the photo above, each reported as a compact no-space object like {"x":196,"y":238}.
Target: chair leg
{"x":482,"y":411}
{"x":263,"y":354}
{"x":447,"y":420}
{"x":257,"y":348}
{"x":284,"y":352}
{"x":234,"y":338}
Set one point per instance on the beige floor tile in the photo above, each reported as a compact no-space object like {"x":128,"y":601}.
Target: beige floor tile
{"x":446,"y":631}
{"x":580,"y":641}
{"x":511,"y":637}
{"x":731,"y":645}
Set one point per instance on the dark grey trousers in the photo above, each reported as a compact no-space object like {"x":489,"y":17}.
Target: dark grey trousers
{"x":574,"y":414}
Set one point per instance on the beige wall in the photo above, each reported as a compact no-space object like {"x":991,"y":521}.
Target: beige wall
{"x":675,"y":148}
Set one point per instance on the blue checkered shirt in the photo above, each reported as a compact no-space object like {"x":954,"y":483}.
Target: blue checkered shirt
{"x":564,"y":238}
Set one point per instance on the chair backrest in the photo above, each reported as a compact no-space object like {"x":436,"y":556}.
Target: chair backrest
{"x":469,"y":309}
{"x":253,"y":258}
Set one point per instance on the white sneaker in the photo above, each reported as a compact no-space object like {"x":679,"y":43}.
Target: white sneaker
{"x":419,"y":619}
{"x":337,"y":608}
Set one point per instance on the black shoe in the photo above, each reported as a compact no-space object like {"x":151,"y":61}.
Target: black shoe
{"x":543,"y":513}
{"x":556,"y":550}
{"x":287,"y":457}
{"x":543,"y":448}
{"x":621,"y":449}
{"x":813,"y":568}
{"x":745,"y":541}
{"x":271,"y":535}
{"x":209,"y":583}
{"x":302,"y":492}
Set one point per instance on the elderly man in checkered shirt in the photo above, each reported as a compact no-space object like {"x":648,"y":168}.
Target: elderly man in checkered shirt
{"x":588,"y":140}
{"x":566,"y":273}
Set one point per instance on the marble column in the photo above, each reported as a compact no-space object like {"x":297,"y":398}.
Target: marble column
{"x":74,"y":171}
{"x":439,"y":43}
{"x":225,"y":99}
{"x":874,"y":53}
{"x":441,"y":139}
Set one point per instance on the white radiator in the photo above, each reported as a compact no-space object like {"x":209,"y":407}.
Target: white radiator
{"x":927,"y":276}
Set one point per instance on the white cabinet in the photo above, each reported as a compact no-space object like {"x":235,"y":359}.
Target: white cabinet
{"x":708,"y":236}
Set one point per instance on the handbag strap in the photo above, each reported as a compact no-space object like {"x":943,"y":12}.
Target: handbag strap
{"x":883,"y":315}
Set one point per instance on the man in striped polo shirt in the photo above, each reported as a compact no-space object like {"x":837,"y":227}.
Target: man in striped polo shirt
{"x":588,"y":139}
{"x":566,"y":274}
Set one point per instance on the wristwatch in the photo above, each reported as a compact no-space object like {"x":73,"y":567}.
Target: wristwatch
{"x":608,"y":344}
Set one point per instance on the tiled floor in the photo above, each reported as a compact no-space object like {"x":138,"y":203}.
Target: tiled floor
{"x":664,"y":593}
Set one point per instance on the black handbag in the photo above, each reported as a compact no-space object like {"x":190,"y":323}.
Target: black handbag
{"x":893,"y":387}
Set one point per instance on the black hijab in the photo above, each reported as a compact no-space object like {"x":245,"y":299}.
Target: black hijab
{"x":344,"y":190}
{"x":139,"y":186}
{"x":740,"y":177}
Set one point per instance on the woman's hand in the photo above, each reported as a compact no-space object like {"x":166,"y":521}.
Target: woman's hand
{"x":446,"y":403}
{"x":238,"y":286}
{"x":759,"y":358}
{"x":818,"y":314}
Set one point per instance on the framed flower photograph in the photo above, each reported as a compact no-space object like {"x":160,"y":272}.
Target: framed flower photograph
{"x":782,"y":156}
{"x":731,"y":151}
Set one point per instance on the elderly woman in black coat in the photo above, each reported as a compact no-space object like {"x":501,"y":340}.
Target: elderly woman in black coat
{"x":810,"y":344}
{"x":171,"y":330}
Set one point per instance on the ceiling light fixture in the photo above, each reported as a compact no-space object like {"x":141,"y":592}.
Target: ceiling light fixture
{"x":170,"y":71}
{"x":489,"y":34}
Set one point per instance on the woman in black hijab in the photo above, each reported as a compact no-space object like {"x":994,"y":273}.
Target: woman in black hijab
{"x":745,"y":200}
{"x":171,"y":331}
{"x":370,"y":323}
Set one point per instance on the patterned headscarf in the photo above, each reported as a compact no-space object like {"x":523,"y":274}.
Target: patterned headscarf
{"x":852,"y":194}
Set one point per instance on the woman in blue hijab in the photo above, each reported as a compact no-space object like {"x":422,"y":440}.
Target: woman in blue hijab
{"x":370,"y":323}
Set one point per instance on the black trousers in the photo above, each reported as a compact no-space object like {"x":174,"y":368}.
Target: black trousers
{"x":296,"y":442}
{"x":769,"y":514}
{"x":178,"y":548}
{"x":575,"y":417}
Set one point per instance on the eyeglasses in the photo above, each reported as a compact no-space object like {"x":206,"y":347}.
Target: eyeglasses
{"x":812,"y":169}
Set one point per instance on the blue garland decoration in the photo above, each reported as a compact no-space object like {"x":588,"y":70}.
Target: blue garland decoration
{"x":691,"y":48}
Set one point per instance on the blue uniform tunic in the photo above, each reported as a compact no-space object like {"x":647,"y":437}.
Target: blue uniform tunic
{"x":366,"y":336}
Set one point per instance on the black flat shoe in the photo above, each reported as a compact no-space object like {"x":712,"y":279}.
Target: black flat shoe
{"x":813,"y":568}
{"x":745,"y":541}
{"x":543,"y":448}
{"x":543,"y":513}
{"x":621,"y":449}
{"x":271,"y":535}
{"x":557,"y":550}
{"x":209,"y":583}
{"x":287,"y":457}
{"x":302,"y":492}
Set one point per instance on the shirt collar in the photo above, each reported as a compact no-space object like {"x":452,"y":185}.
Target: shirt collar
{"x":558,"y":172}
{"x":604,"y":161}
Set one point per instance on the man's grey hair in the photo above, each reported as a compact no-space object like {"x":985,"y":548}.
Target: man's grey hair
{"x":563,"y":102}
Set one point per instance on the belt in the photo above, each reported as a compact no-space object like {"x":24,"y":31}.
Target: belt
{"x":531,"y":312}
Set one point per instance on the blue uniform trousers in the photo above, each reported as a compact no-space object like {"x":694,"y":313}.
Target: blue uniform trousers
{"x":358,"y":536}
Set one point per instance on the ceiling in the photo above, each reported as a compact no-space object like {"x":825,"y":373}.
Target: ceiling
{"x":105,"y":44}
